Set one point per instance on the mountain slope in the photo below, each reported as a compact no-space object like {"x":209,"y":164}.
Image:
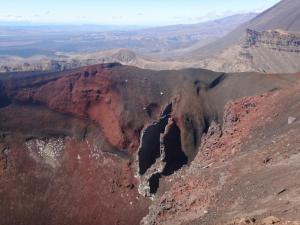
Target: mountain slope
{"x":268,"y":43}
{"x":284,"y":16}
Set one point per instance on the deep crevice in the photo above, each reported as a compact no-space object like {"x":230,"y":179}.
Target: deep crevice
{"x":154,"y":182}
{"x":150,"y":146}
{"x":4,"y":100}
{"x":167,"y":111}
{"x":175,"y":157}
{"x":218,"y":80}
{"x":161,"y":139}
{"x":206,"y":125}
{"x":150,"y":142}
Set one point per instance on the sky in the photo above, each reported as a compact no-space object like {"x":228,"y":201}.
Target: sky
{"x":125,"y":12}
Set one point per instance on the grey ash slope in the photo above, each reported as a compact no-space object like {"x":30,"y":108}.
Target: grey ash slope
{"x":268,"y":43}
{"x":284,"y":16}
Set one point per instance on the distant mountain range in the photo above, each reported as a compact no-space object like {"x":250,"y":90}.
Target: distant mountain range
{"x":43,"y":47}
{"x":268,"y":42}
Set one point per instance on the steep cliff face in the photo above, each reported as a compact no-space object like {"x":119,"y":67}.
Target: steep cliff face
{"x":85,"y":146}
{"x":271,"y":51}
{"x":273,"y":39}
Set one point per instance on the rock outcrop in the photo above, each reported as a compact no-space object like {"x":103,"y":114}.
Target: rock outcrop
{"x":274,"y":39}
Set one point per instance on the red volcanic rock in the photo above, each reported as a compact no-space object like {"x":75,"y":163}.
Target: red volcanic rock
{"x":87,"y":93}
{"x":83,"y":145}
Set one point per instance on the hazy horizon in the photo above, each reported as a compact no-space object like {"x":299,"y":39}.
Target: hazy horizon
{"x":120,"y":13}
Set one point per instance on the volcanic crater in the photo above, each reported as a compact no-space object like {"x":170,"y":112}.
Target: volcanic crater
{"x":91,"y":145}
